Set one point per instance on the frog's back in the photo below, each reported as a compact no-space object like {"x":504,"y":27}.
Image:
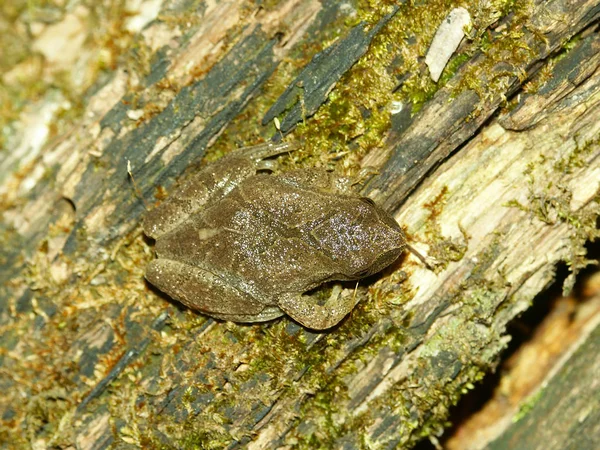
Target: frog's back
{"x":280,"y":237}
{"x":261,"y":232}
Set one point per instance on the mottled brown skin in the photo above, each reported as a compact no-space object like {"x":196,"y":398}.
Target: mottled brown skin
{"x":244,"y":246}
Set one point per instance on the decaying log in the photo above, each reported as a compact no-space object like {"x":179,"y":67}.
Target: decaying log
{"x":494,"y":172}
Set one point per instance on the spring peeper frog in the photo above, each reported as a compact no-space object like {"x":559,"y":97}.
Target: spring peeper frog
{"x":240,"y":244}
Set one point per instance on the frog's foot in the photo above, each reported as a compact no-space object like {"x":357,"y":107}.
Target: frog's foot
{"x":305,"y":309}
{"x":266,"y":150}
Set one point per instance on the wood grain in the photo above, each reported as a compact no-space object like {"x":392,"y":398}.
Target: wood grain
{"x":496,"y":176}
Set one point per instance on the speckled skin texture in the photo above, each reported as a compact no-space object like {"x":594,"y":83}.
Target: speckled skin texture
{"x":243,"y":245}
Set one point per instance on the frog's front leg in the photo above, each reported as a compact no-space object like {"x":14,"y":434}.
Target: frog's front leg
{"x":208,"y":186}
{"x":305,"y":309}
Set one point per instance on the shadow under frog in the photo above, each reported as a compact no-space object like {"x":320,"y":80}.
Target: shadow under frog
{"x":243,"y":245}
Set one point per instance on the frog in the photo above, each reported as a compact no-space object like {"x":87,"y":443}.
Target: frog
{"x":239,"y":242}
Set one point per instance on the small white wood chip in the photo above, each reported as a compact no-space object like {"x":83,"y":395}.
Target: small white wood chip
{"x":446,"y":40}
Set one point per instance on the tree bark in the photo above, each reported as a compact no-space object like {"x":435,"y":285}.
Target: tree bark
{"x":494,"y":171}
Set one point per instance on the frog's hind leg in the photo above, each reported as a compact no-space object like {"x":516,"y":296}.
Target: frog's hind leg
{"x":206,"y":292}
{"x":308,"y":312}
{"x":208,"y":186}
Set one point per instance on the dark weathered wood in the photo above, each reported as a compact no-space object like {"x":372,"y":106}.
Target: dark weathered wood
{"x":92,"y":357}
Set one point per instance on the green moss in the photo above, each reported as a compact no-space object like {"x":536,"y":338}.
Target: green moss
{"x":550,"y":203}
{"x":356,"y":116}
{"x":430,"y":392}
{"x":353,"y":121}
{"x":443,"y":371}
{"x":576,"y":158}
{"x":528,"y":405}
{"x":453,"y":66}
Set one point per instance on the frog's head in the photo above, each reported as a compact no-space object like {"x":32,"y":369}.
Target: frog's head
{"x":362,"y":239}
